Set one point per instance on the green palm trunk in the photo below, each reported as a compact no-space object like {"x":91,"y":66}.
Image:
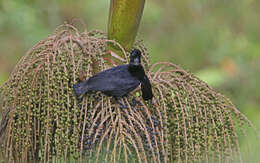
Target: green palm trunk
{"x":123,"y":23}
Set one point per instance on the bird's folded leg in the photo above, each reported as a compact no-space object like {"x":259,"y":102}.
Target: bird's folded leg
{"x":135,"y":102}
{"x":79,"y":98}
{"x":122,"y":105}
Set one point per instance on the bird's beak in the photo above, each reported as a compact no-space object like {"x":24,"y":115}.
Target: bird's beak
{"x":136,"y":62}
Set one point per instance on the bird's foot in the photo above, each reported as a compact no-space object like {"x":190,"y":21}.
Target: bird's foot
{"x":122,"y":105}
{"x":135,"y":102}
{"x":79,"y":99}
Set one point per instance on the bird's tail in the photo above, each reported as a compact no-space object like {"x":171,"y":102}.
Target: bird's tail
{"x":146,"y":89}
{"x":80,"y":88}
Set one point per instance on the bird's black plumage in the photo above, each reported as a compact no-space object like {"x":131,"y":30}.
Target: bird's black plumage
{"x":118,"y":81}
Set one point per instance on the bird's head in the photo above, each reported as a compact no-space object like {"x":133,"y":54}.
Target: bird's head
{"x":135,"y":57}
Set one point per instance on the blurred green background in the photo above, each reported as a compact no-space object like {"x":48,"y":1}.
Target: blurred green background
{"x":217,"y":40}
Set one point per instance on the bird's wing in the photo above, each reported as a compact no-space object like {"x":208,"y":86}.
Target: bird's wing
{"x":101,"y":77}
{"x":146,"y":88}
{"x":110,"y":72}
{"x":116,"y":81}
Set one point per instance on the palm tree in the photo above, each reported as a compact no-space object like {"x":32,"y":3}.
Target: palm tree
{"x":43,"y":121}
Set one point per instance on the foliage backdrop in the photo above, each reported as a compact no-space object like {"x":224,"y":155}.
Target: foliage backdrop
{"x":217,"y":40}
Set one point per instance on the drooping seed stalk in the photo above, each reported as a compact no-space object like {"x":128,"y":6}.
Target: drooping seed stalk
{"x":43,"y":121}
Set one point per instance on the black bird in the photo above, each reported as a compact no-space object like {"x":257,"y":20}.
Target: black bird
{"x":118,"y":81}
